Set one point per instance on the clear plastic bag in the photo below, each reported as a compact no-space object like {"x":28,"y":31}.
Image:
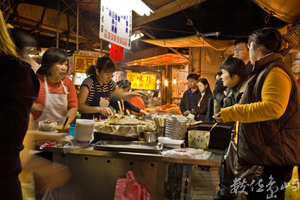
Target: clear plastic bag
{"x":187,"y":153}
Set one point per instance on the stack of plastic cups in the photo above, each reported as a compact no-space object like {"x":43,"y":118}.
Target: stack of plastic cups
{"x":84,"y":131}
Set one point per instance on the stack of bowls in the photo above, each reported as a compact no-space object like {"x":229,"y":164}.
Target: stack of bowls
{"x":84,"y":131}
{"x":176,"y":127}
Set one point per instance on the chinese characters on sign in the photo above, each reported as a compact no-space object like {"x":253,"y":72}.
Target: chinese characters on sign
{"x":142,"y":81}
{"x":82,"y":62}
{"x":115,"y":22}
{"x":116,"y":53}
{"x":239,"y":185}
{"x":118,"y":75}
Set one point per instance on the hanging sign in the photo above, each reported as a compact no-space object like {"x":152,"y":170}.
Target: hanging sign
{"x":142,"y":81}
{"x":116,"y":53}
{"x":82,"y":62}
{"x":118,"y":75}
{"x":115,"y":22}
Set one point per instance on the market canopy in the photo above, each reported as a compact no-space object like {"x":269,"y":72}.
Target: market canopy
{"x":171,"y":19}
{"x":192,"y":41}
{"x":161,"y":60}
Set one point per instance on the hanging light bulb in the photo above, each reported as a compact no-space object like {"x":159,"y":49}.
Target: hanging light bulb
{"x":174,"y":81}
{"x":166,"y":82}
{"x":149,"y":91}
{"x":157,"y":81}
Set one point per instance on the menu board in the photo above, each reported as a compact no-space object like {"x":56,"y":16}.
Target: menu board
{"x":115,"y":22}
{"x":142,"y":81}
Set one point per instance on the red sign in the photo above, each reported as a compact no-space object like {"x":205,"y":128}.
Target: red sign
{"x":116,"y":53}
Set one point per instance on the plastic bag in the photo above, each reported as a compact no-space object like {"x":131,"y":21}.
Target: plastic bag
{"x":292,"y":191}
{"x":129,"y":189}
{"x":187,"y":153}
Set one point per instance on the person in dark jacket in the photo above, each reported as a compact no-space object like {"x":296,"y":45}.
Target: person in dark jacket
{"x":235,"y":77}
{"x":241,"y":51}
{"x":19,"y":87}
{"x":124,"y":85}
{"x":205,"y":93}
{"x":191,"y":96}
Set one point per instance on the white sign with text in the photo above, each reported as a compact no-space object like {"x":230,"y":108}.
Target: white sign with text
{"x":115,"y":22}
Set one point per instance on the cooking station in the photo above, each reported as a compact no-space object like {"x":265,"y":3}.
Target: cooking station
{"x":95,"y":172}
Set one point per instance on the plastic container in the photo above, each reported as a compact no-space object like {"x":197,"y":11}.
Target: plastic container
{"x":219,"y":136}
{"x":199,"y":139}
{"x":72,"y":130}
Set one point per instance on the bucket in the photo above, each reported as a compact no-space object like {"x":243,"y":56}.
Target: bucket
{"x":198,"y":139}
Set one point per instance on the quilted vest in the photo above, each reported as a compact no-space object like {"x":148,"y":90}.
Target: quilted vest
{"x":255,"y":143}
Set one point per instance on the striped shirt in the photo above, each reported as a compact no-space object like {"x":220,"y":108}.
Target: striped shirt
{"x":89,"y":82}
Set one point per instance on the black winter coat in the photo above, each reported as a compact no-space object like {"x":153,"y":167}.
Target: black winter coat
{"x":200,"y":112}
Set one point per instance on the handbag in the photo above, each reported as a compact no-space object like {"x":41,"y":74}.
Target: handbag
{"x":234,"y":170}
{"x":250,"y":172}
{"x":129,"y":189}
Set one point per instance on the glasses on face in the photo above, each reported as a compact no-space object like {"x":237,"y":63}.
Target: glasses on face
{"x":238,"y":48}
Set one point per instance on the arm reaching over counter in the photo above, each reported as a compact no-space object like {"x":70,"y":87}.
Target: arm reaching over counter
{"x":123,"y":88}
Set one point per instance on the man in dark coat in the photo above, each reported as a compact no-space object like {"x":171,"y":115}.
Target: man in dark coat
{"x":191,"y":96}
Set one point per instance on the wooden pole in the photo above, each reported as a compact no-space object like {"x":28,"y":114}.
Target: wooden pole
{"x":77,"y":28}
{"x":57,"y":26}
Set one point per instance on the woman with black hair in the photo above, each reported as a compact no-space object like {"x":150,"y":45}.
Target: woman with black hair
{"x":124,"y":85}
{"x":205,"y":92}
{"x":234,"y":77}
{"x":95,"y":90}
{"x":57,"y":96}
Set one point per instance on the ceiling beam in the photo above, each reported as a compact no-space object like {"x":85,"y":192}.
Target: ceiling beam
{"x":164,"y":11}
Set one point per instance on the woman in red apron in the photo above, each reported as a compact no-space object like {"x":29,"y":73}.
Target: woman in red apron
{"x":57,"y":96}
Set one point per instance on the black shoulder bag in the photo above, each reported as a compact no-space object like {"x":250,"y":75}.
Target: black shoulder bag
{"x":249,"y":172}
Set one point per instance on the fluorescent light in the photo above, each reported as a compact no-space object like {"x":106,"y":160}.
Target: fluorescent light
{"x":138,"y":6}
{"x":136,"y":35}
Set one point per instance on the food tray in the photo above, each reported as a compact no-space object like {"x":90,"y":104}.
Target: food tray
{"x":129,"y":146}
{"x":105,"y":136}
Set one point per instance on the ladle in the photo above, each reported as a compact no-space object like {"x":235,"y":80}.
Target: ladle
{"x":215,"y":124}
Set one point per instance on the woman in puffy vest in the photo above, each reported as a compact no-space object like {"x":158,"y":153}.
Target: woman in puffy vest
{"x":269,"y":117}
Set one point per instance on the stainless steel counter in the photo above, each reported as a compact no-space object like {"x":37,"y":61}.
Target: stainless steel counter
{"x":94,"y":172}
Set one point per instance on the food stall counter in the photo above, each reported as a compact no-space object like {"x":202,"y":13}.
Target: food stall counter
{"x":95,"y":172}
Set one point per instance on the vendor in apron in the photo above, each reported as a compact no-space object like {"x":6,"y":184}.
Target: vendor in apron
{"x":57,"y":96}
{"x":95,"y":90}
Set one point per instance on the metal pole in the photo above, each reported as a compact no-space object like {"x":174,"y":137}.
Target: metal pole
{"x":58,"y":20}
{"x":101,"y":47}
{"x":77,"y":29}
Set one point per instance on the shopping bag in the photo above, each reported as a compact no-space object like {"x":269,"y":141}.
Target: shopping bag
{"x":292,"y":191}
{"x":129,"y":189}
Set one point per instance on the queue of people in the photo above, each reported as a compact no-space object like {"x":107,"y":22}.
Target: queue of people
{"x":266,"y":105}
